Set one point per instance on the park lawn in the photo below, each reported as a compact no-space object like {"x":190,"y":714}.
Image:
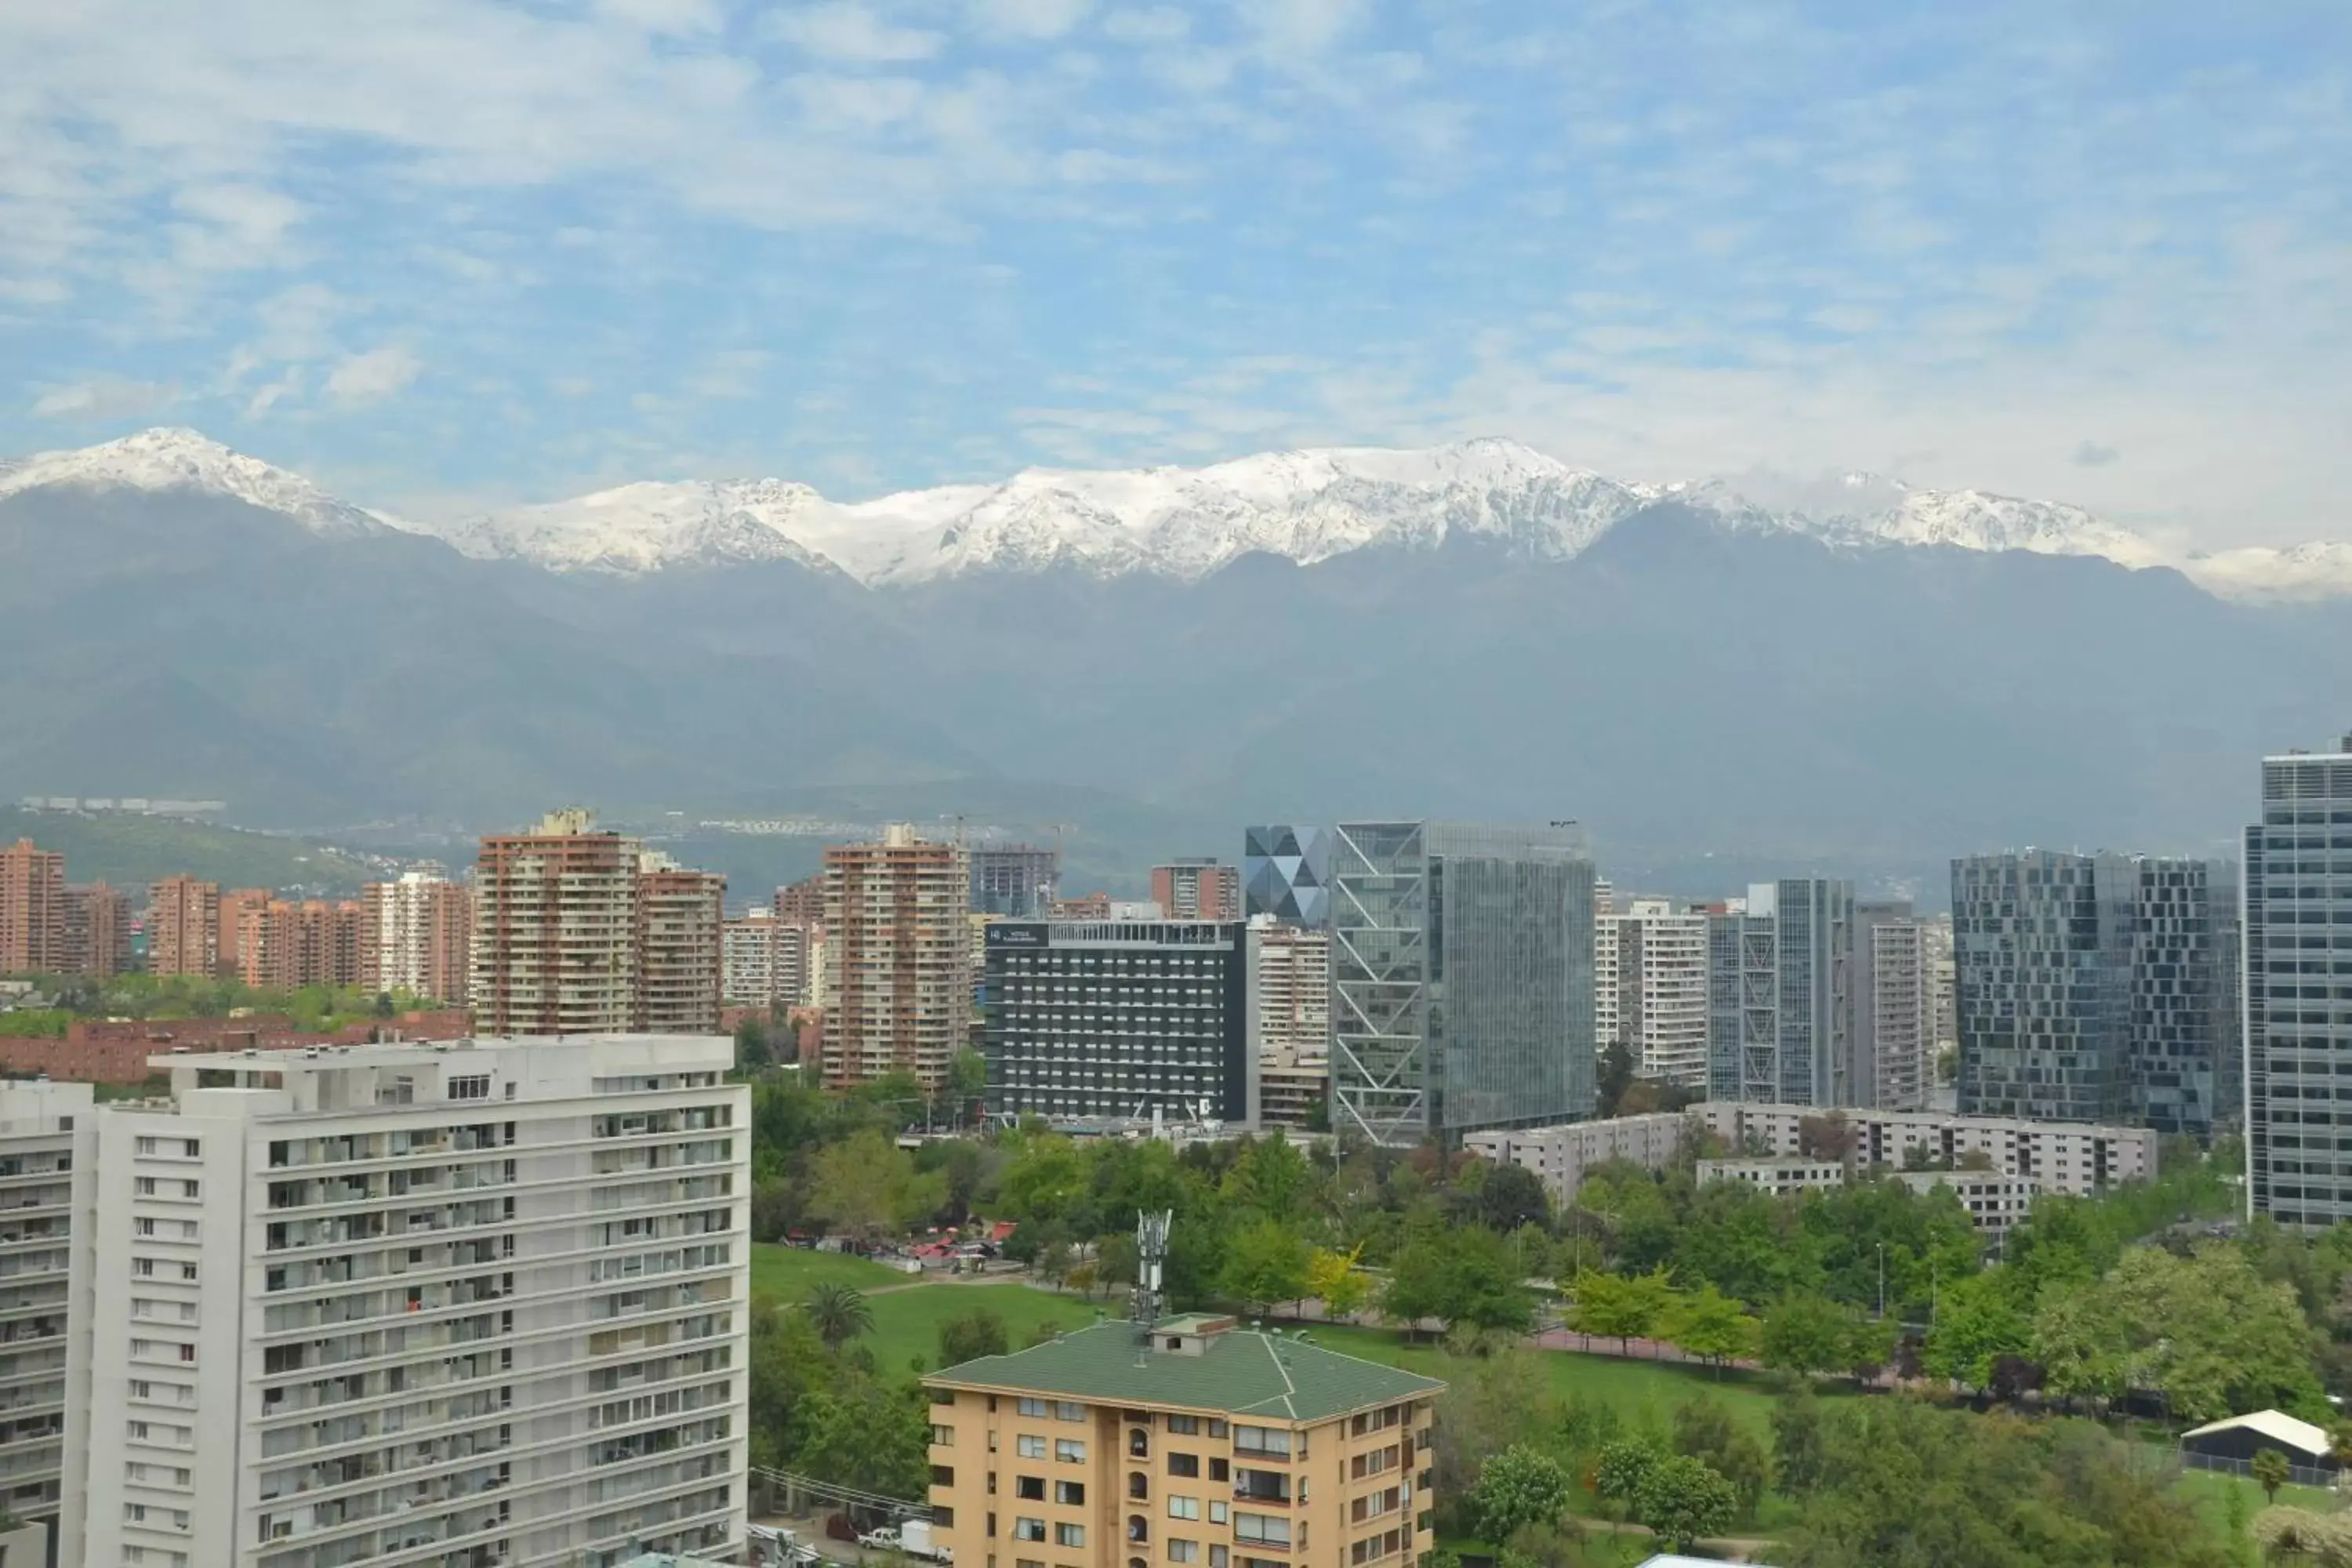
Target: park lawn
{"x":1644,"y":1392}
{"x":906,"y":1323}
{"x":2210,"y":1490}
{"x":788,"y":1273}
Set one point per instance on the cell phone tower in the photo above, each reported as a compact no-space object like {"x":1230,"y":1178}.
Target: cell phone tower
{"x":1150,"y":1263}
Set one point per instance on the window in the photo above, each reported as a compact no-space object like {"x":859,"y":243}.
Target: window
{"x":1069,"y":1535}
{"x":145,"y":1186}
{"x":1184,"y":1425}
{"x":1263,"y":1440}
{"x":942,"y":1475}
{"x":1218,"y":1470}
{"x":1260,"y":1528}
{"x":1183,"y":1464}
{"x":1070,"y":1493}
{"x":1028,"y":1529}
{"x":1031,"y":1487}
{"x":1032,"y":1406}
{"x":145,"y":1267}
{"x":943,"y":1435}
{"x":1183,"y":1507}
{"x":1218,"y":1556}
{"x":1217,"y":1513}
{"x":1216,"y":1426}
{"x":1183,"y":1551}
{"x":1029,"y":1448}
{"x":474,"y":1087}
{"x":1070,"y":1451}
{"x":1066,"y":1411}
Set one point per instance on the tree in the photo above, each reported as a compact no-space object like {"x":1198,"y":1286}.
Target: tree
{"x":1622,"y":1467}
{"x":1083,"y":1279}
{"x":1799,"y":1445}
{"x":859,"y":1434}
{"x":1705,"y":1430}
{"x":1271,"y":1177}
{"x":1976,"y":1326}
{"x":1333,"y":1278}
{"x":1265,"y":1263}
{"x":1712,"y":1326}
{"x":967,"y":1336}
{"x":750,"y":1046}
{"x":2271,"y":1470}
{"x":1621,"y":1307}
{"x":1804,"y":1334}
{"x":1511,"y":1195}
{"x":1682,"y":1500}
{"x":868,"y":1184}
{"x":1518,"y":1487}
{"x":838,"y":1313}
{"x":1462,"y":1278}
{"x":1616,"y":1076}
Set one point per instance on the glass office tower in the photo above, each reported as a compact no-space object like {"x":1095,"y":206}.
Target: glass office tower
{"x":2041,"y":956}
{"x":2298,"y":991}
{"x":1461,"y":978}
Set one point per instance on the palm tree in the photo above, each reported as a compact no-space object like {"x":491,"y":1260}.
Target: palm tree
{"x":839,"y":1314}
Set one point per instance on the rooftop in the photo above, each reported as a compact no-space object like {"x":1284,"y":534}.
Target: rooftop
{"x":1242,"y":1373}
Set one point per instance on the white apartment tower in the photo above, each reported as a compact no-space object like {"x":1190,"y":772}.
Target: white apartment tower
{"x":1649,"y":989}
{"x":1290,"y":993}
{"x":454,"y":1306}
{"x":1900,"y":1062}
{"x":43,"y":1186}
{"x":764,"y":961}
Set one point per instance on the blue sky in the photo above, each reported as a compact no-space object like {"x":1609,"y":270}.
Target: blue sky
{"x":449,"y":253}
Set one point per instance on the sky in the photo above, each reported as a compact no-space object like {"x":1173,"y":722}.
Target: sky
{"x":448,"y":254}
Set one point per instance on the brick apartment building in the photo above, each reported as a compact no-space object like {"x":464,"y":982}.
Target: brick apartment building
{"x":416,"y":935}
{"x":32,"y":908}
{"x":183,"y":928}
{"x":97,"y":931}
{"x":117,"y":1050}
{"x":1198,"y":889}
{"x":897,"y":959}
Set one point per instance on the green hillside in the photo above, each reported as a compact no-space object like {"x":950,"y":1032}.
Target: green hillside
{"x":127,"y":850}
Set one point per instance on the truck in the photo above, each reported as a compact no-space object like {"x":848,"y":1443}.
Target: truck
{"x":913,"y":1538}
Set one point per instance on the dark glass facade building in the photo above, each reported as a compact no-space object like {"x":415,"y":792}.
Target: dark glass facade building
{"x":1286,"y":873}
{"x":2042,"y":961}
{"x":2185,"y":1014}
{"x":1780,"y":1001}
{"x":1114,"y":1019}
{"x":2298,"y":992}
{"x":1018,"y":879}
{"x":1462,"y":976}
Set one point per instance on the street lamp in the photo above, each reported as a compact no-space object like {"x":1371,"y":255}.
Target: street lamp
{"x":1881,"y":1281}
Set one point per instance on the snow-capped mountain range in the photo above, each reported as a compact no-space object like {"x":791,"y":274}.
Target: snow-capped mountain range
{"x":1308,"y":506}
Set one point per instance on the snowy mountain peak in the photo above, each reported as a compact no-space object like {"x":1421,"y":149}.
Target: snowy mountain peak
{"x":648,"y":526}
{"x":171,"y":459}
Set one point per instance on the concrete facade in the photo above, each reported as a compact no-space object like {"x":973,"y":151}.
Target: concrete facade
{"x":1560,"y":1156}
{"x":2075,"y":1158}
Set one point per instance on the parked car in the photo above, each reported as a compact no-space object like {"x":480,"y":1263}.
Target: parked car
{"x":913,"y":1538}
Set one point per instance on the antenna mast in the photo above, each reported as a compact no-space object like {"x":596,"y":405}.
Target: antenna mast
{"x":1151,"y":1259}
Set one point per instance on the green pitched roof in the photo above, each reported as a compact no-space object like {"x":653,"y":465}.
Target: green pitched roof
{"x":1240,"y":1371}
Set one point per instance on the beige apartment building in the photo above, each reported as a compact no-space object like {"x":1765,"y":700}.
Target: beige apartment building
{"x":897,"y":959}
{"x":1194,"y":1443}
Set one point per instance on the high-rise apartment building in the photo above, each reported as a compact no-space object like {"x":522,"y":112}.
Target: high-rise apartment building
{"x":43,"y":1189}
{"x":1649,"y":988}
{"x":184,"y":927}
{"x":681,"y":917}
{"x":764,"y":962}
{"x":897,"y":959}
{"x":32,"y":908}
{"x":1197,"y":889}
{"x":1461,"y":978}
{"x":1289,"y":992}
{"x":555,"y":922}
{"x":803,"y":902}
{"x":580,"y":932}
{"x":1781,"y":995}
{"x":242,"y":911}
{"x":1146,"y":1019}
{"x":284,"y":945}
{"x":468,"y":1304}
{"x":417,"y":934}
{"x":97,"y":931}
{"x":1018,"y":879}
{"x":2298,"y":990}
{"x":1286,"y":873}
{"x":1896,"y":999}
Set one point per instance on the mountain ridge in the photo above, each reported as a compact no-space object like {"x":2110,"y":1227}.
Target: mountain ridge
{"x":1305,"y":505}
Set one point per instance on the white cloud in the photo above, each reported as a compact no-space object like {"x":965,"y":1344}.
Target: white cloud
{"x":272,"y":394}
{"x":372,"y":376}
{"x":1036,"y":18}
{"x":672,"y":18}
{"x":231,"y":225}
{"x":845,"y":31}
{"x":731,"y":374}
{"x":104,"y":397}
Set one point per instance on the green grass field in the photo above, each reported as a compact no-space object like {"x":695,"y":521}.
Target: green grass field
{"x":788,"y":1273}
{"x":906,"y":1323}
